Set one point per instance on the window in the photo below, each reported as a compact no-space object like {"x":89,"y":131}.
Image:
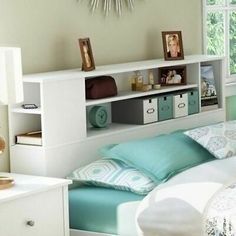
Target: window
{"x":219,"y":24}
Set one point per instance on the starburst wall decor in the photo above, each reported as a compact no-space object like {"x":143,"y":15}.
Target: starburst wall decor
{"x":108,"y":5}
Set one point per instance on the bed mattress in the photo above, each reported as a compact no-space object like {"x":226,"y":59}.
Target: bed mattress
{"x":96,"y":209}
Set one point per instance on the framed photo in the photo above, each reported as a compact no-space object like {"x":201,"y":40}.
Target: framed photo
{"x":175,"y":75}
{"x":86,"y":54}
{"x":172,"y":45}
{"x":208,"y":88}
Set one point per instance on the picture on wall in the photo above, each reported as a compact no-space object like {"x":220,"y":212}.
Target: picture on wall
{"x":172,"y":45}
{"x":86,"y":54}
{"x":172,"y":75}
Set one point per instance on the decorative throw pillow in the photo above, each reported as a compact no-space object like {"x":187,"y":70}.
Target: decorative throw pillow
{"x":113,"y":174}
{"x":218,"y":139}
{"x":159,"y":157}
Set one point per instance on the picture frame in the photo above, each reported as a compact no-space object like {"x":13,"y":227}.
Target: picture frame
{"x":86,"y":54}
{"x":175,"y":75}
{"x":172,"y":45}
{"x":209,"y":99}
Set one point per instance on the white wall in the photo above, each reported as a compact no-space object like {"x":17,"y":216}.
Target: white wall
{"x":47,"y":31}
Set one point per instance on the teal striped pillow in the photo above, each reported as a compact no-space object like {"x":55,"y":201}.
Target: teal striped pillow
{"x":113,"y":174}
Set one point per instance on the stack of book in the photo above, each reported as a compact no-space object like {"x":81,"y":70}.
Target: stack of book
{"x":31,"y":138}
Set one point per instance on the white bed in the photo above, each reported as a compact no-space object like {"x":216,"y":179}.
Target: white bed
{"x":133,"y":217}
{"x":177,"y":206}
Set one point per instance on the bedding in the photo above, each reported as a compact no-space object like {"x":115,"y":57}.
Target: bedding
{"x":97,"y":209}
{"x":220,"y":214}
{"x":177,"y":206}
{"x":218,"y":139}
{"x":196,"y":176}
{"x":114,"y":174}
{"x":159,"y":157}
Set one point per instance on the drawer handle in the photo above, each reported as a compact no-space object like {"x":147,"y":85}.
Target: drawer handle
{"x":150,"y":110}
{"x":181,"y":105}
{"x":30,"y":223}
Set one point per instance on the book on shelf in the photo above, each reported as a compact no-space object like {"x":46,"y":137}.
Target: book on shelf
{"x":209,"y":100}
{"x":31,"y":138}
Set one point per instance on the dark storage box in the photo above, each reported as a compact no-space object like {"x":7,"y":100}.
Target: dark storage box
{"x":135,"y":111}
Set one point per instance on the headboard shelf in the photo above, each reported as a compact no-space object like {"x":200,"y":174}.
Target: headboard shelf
{"x":123,"y":95}
{"x":116,"y":128}
{"x":68,"y":139}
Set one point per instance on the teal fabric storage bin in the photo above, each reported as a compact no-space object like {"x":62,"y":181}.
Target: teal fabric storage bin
{"x":193,"y":102}
{"x":165,"y":110}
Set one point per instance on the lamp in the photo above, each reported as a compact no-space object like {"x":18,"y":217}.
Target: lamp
{"x":2,"y":145}
{"x":11,"y":89}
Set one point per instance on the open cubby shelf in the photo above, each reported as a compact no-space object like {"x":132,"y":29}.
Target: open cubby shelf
{"x":63,"y":111}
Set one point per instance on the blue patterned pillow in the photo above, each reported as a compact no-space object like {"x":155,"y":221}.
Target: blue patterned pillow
{"x":218,"y":139}
{"x":113,"y":174}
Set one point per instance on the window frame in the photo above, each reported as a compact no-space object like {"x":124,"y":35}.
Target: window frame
{"x":226,"y":9}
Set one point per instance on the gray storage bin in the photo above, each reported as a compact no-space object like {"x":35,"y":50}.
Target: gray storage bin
{"x":135,"y":111}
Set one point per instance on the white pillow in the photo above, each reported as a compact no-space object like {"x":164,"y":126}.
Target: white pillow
{"x":188,"y":193}
{"x":220,"y":212}
{"x":218,"y":139}
{"x":113,"y":174}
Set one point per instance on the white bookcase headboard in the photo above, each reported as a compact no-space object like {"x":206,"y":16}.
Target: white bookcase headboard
{"x":68,"y":140}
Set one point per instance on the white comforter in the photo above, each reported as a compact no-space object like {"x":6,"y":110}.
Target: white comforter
{"x":177,"y":207}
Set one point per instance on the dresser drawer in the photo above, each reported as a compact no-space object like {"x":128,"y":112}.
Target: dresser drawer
{"x":40,"y":214}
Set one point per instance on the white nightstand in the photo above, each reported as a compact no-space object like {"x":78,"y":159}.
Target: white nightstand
{"x":34,"y":206}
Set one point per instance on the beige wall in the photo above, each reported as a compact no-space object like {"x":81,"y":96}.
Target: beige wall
{"x":47,"y":31}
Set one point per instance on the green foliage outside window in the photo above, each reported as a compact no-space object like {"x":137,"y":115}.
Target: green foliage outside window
{"x":215,"y":33}
{"x":232,"y":40}
{"x":216,"y":2}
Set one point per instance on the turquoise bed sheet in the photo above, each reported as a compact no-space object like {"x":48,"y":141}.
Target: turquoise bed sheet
{"x":95,"y":208}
